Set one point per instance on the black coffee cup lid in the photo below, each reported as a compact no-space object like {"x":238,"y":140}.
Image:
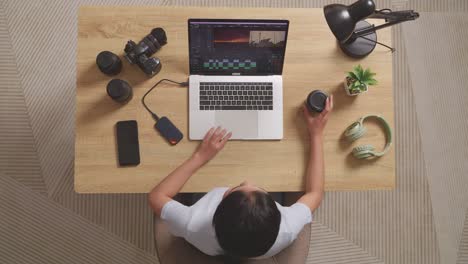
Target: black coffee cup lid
{"x":316,"y":101}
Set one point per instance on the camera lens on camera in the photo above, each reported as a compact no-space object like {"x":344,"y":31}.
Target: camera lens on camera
{"x":155,"y":40}
{"x":160,"y":35}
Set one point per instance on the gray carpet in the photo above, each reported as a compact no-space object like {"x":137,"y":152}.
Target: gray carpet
{"x":36,"y":230}
{"x":437,"y":49}
{"x":327,"y":246}
{"x":48,"y":80}
{"x":463,"y":249}
{"x":361,"y":227}
{"x":18,"y":155}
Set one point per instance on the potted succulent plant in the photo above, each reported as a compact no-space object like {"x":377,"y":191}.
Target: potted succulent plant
{"x":359,"y":80}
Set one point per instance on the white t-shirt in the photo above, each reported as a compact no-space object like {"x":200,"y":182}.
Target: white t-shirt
{"x":194,"y":223}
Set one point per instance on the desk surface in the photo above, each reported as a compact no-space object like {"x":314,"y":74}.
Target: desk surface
{"x":313,"y":61}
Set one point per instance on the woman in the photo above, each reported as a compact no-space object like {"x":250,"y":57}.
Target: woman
{"x":242,"y":221}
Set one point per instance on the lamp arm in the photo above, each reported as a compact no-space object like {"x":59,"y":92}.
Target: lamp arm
{"x":391,"y":17}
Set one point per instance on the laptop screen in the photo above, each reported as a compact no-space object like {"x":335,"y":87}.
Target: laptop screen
{"x":237,"y":47}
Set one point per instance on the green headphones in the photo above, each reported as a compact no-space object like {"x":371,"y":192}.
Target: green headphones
{"x":357,"y":130}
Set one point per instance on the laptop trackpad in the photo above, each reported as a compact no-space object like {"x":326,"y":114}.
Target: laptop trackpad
{"x":242,"y":124}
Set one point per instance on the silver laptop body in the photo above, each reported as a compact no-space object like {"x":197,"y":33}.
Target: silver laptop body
{"x":236,"y":77}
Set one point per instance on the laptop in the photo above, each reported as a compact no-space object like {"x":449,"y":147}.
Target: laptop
{"x":236,"y":79}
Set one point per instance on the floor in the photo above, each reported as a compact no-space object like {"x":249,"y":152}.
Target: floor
{"x":424,"y":220}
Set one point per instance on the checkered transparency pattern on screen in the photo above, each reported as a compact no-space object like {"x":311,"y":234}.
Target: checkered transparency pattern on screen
{"x":225,"y":64}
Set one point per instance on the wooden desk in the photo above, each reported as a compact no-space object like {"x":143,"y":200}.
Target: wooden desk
{"x":313,"y":61}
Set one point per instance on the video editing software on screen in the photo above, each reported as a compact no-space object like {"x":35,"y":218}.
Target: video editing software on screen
{"x":247,"y":48}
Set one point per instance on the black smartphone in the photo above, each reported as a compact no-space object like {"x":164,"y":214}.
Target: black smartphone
{"x":127,"y":143}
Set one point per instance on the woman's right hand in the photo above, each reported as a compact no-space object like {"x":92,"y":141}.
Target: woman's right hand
{"x":212,"y":143}
{"x":316,"y":123}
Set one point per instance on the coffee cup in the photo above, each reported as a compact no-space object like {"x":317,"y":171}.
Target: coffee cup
{"x":316,"y":101}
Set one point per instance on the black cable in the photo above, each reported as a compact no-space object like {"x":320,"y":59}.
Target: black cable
{"x":153,"y":114}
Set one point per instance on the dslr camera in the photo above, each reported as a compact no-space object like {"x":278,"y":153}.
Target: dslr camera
{"x":140,"y":54}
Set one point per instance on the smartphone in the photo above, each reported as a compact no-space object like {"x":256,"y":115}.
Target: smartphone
{"x":127,"y":143}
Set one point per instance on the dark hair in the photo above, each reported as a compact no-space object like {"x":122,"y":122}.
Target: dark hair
{"x":247,"y":224}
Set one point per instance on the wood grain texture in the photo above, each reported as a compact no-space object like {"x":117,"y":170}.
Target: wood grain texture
{"x":313,"y":61}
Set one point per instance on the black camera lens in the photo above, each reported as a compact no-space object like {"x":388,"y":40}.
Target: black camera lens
{"x":109,"y":63}
{"x":160,"y":35}
{"x":119,"y":90}
{"x":154,"y":41}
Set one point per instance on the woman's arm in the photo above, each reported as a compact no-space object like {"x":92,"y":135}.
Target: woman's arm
{"x":314,"y":182}
{"x":212,"y":143}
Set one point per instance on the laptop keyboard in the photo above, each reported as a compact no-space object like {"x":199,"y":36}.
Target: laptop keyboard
{"x":236,"y":96}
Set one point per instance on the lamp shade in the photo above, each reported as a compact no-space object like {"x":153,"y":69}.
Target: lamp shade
{"x":342,"y":19}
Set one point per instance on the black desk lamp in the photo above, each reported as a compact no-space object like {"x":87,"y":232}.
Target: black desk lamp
{"x":357,"y":37}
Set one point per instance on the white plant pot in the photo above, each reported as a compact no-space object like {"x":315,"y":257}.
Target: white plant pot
{"x":348,"y":92}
